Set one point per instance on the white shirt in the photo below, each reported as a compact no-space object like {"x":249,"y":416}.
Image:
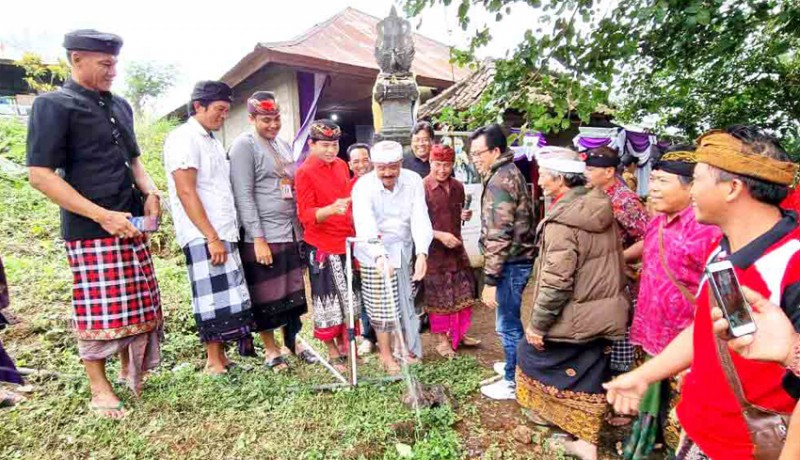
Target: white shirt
{"x":398,"y":217}
{"x":190,"y":146}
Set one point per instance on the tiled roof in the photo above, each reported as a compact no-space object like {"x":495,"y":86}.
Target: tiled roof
{"x":346,"y":43}
{"x":463,"y":94}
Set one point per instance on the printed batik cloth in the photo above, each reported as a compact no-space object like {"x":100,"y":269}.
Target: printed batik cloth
{"x":114,"y":292}
{"x":330,"y":295}
{"x":277,"y":291}
{"x":220,"y":300}
{"x":563,"y":383}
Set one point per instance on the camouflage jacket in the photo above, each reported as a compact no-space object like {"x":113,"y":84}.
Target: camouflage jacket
{"x":507,"y":226}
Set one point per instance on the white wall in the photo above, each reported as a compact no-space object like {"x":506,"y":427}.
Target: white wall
{"x":280,"y":80}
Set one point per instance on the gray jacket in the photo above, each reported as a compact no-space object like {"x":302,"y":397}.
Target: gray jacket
{"x":256,"y":180}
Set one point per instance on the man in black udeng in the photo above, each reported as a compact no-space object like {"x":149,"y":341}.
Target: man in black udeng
{"x":87,"y":134}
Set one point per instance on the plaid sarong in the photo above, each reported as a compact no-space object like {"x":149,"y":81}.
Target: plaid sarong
{"x":622,"y":354}
{"x":114,"y":291}
{"x":220,"y":300}
{"x":381,"y":308}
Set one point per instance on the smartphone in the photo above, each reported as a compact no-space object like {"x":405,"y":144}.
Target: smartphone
{"x":145,"y":224}
{"x":726,"y":289}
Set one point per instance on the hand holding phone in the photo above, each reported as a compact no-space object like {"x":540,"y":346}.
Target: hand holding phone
{"x":728,"y":292}
{"x":145,"y":224}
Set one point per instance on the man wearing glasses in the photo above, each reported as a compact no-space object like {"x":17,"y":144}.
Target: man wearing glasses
{"x":507,"y":244}
{"x":421,"y":142}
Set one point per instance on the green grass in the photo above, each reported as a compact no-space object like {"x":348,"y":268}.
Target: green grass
{"x":182,"y":413}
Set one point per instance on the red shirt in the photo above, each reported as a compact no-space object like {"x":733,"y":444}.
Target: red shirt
{"x":319,"y":184}
{"x":708,"y":409}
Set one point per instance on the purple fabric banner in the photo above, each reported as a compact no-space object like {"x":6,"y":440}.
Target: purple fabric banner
{"x":307,"y":91}
{"x":593,"y":142}
{"x":639,"y":141}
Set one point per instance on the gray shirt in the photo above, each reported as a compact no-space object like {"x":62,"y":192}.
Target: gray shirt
{"x":256,"y":180}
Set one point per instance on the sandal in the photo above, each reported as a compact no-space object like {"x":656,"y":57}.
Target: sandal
{"x":106,"y":411}
{"x":468,"y":341}
{"x":445,"y":351}
{"x":307,"y":357}
{"x":619,"y":421}
{"x":277,"y":364}
{"x":391,"y":369}
{"x":340,"y":363}
{"x":10,"y":399}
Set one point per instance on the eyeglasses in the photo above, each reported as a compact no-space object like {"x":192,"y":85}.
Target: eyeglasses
{"x":479,"y":153}
{"x":424,"y":140}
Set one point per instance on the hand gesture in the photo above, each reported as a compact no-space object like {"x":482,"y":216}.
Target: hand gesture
{"x":536,"y":340}
{"x":117,"y":224}
{"x":218,"y":252}
{"x":449,"y":240}
{"x":339,"y":207}
{"x":263,"y":253}
{"x":382,"y":264}
{"x":774,"y":335}
{"x":420,"y":267}
{"x":152,"y":205}
{"x":625,"y":392}
{"x":489,"y":296}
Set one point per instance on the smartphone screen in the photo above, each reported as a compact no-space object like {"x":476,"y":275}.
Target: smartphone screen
{"x":729,"y":294}
{"x":145,"y":224}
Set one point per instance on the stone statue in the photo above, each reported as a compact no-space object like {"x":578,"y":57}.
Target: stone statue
{"x":395,"y":93}
{"x":394,"y":48}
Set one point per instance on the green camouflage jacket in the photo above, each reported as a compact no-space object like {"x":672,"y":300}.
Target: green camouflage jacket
{"x":507,"y":227}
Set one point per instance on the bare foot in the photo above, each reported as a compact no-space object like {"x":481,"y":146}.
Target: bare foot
{"x":107,"y":405}
{"x":390,"y":366}
{"x":581,"y":449}
{"x":445,"y":350}
{"x":215,"y":369}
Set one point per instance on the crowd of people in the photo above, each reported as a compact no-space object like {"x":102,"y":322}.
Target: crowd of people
{"x":622,"y":328}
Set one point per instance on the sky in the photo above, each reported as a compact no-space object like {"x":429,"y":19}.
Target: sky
{"x":203,"y":39}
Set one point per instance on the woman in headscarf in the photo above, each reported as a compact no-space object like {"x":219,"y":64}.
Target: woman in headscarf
{"x":579,"y":307}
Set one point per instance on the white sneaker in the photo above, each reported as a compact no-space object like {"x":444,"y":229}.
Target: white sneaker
{"x":365,"y":348}
{"x":502,"y":390}
{"x":499,"y":369}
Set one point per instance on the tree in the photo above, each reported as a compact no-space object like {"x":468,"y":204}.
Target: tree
{"x":146,"y":81}
{"x":695,"y":64}
{"x":41,"y":77}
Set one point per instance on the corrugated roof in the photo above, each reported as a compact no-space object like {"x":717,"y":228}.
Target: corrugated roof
{"x":463,"y":94}
{"x":346,"y":43}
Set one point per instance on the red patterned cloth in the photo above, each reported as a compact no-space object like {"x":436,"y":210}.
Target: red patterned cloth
{"x":115,"y":293}
{"x":629,"y":212}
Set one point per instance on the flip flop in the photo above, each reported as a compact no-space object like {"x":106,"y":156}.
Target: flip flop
{"x":10,"y":399}
{"x":307,"y":357}
{"x":392,"y":370}
{"x":445,"y":351}
{"x":468,"y":341}
{"x":99,"y":410}
{"x":277,"y":361}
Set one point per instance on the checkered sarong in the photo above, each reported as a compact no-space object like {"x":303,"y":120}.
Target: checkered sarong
{"x":381,"y":309}
{"x":622,"y":354}
{"x":114,"y":290}
{"x":220,"y":300}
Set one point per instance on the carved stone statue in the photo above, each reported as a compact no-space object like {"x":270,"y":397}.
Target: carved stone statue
{"x":395,"y":92}
{"x":394,"y":48}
